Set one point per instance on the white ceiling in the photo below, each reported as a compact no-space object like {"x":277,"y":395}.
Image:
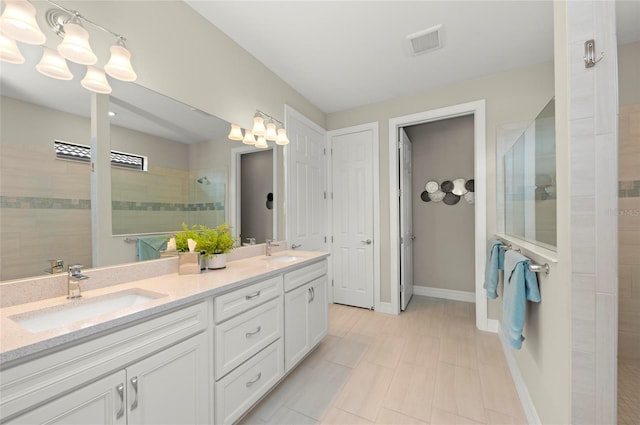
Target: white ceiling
{"x":344,"y":54}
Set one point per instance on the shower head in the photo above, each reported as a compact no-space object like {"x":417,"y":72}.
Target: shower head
{"x":203,"y":180}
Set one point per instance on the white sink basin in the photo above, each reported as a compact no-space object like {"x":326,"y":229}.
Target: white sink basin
{"x":282,"y":258}
{"x":82,"y":309}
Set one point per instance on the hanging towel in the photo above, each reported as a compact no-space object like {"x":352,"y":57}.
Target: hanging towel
{"x":520,"y":285}
{"x":495,"y":262}
{"x":149,"y":248}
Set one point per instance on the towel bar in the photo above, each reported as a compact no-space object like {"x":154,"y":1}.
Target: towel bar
{"x":506,"y":247}
{"x":537,"y":268}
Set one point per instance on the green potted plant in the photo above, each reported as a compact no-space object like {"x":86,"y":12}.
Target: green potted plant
{"x":223,"y":244}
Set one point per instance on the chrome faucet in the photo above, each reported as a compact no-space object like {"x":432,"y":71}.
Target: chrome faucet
{"x":269,"y":245}
{"x":296,"y":245}
{"x":73,"y":281}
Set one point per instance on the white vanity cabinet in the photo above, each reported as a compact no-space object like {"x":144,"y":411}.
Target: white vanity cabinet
{"x":305,"y":311}
{"x":249,"y":356}
{"x":155,"y":372}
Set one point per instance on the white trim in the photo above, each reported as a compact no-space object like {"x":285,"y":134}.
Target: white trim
{"x":528,"y":406}
{"x":493,"y":325}
{"x":373,"y":127}
{"x":477,"y":109}
{"x":385,"y":308}
{"x":447,"y":294}
{"x":235,"y":184}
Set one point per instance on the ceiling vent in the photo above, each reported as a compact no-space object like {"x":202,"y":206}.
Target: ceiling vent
{"x":425,"y":41}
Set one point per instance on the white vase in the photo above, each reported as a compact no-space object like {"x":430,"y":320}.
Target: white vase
{"x":218,"y":261}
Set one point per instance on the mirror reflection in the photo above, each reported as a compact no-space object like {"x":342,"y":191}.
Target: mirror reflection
{"x":530,"y":182}
{"x":46,"y":199}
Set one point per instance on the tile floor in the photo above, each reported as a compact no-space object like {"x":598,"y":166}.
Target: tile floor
{"x":628,"y":392}
{"x":429,"y":365}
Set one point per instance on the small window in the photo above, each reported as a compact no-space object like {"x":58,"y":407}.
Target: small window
{"x":82,"y":153}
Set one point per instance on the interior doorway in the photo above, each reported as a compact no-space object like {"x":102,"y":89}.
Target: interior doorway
{"x":253,"y":194}
{"x":477,"y":110}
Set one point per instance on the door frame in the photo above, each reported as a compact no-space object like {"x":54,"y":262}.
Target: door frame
{"x":375,"y":159}
{"x":235,"y":185}
{"x":478,"y":110}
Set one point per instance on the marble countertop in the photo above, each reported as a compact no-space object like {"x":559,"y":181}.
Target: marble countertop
{"x":17,"y":343}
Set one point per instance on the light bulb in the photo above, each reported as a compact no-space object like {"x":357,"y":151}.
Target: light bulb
{"x":282,"y":137}
{"x":119,"y":65}
{"x":262,"y":142}
{"x":19,"y":22}
{"x":248,"y":138}
{"x":9,"y":51}
{"x":75,"y":45}
{"x":235,"y":133}
{"x":271,"y":132}
{"x":96,"y":81}
{"x":258,"y":126}
{"x":53,"y":65}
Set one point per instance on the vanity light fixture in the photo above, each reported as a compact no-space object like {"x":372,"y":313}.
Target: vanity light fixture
{"x":18,"y":23}
{"x":260,"y":134}
{"x":9,"y":51}
{"x":248,"y":138}
{"x":96,"y":81}
{"x":235,"y":133}
{"x":75,"y":44}
{"x":53,"y":65}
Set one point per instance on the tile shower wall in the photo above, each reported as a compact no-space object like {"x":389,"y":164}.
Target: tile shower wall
{"x":45,"y":206}
{"x":629,"y":234}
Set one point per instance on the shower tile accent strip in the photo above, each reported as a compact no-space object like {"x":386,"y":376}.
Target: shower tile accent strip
{"x":629,"y":189}
{"x":27,"y":202}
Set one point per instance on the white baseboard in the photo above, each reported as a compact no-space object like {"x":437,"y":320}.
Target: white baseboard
{"x":448,"y":294}
{"x":529,"y":408}
{"x":493,"y":325}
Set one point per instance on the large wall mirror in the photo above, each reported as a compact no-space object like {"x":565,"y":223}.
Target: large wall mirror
{"x":45,"y":193}
{"x":529,"y":182}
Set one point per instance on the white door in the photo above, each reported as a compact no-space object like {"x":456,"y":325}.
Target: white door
{"x":171,"y":387}
{"x":352,"y":214}
{"x":406,"y":221}
{"x":305,"y":182}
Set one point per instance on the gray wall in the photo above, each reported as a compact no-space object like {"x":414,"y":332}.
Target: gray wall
{"x":444,"y":245}
{"x":256,"y":170}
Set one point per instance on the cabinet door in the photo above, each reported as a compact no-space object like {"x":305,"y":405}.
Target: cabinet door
{"x":100,"y":402}
{"x":318,"y":313}
{"x":171,"y":387}
{"x":296,"y":339}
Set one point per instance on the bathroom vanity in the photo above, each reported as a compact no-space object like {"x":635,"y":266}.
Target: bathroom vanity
{"x":195,"y":349}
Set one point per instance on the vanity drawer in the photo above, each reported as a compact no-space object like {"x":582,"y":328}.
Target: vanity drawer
{"x":306,"y":274}
{"x":239,"y":390}
{"x":238,"y":339}
{"x":231,"y":304}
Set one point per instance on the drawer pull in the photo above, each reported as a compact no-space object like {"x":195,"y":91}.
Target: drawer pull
{"x":248,"y":334}
{"x":120,"y":390}
{"x":252,"y":296}
{"x":254,"y":380}
{"x":134,"y":384}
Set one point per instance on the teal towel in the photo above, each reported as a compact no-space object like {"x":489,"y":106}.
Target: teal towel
{"x":149,"y":248}
{"x":520,"y":285}
{"x":495,"y":262}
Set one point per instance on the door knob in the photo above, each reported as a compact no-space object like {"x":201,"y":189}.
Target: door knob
{"x":368,"y":242}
